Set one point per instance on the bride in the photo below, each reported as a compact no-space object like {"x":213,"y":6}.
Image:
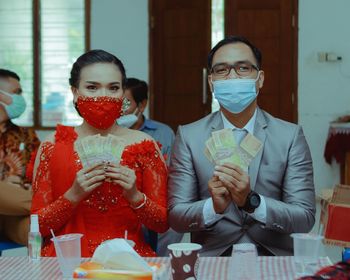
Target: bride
{"x":104,"y":200}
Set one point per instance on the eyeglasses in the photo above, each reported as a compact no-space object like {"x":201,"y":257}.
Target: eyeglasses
{"x":242,"y":69}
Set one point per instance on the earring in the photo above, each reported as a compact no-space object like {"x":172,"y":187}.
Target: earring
{"x":125,"y":105}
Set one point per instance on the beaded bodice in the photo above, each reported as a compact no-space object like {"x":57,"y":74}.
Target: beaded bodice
{"x":105,"y":213}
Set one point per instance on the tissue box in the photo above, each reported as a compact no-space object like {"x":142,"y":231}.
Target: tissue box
{"x":93,"y":270}
{"x":335,"y":213}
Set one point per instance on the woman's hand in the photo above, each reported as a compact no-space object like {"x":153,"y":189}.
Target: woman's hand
{"x":126,"y":178}
{"x":86,"y":180}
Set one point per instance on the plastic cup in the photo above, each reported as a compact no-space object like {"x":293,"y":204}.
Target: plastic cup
{"x":184,"y":260}
{"x":243,"y":263}
{"x":306,"y":252}
{"x":68,"y":252}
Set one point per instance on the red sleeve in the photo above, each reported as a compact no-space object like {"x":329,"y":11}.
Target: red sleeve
{"x":53,"y":213}
{"x":153,"y":214}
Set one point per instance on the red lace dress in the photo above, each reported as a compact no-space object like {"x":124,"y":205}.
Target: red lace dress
{"x":105,"y":213}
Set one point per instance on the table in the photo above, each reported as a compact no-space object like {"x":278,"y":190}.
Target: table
{"x":338,"y":147}
{"x":210,"y":268}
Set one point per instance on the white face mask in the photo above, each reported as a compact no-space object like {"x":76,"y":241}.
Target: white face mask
{"x":128,"y":120}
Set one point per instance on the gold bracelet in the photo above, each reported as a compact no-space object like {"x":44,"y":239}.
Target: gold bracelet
{"x":142,"y":203}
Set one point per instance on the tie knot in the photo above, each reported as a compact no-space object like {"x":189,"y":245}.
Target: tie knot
{"x":239,"y":134}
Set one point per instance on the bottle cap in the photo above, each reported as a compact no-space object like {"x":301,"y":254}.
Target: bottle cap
{"x":34,"y":223}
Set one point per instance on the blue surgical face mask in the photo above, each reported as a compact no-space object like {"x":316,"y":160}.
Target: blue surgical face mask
{"x":235,"y":95}
{"x":128,"y":120}
{"x":17,"y":107}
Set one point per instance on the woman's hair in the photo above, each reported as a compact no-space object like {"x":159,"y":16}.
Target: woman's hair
{"x":91,"y":57}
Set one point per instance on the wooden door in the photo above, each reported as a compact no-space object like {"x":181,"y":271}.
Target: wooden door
{"x":180,"y":34}
{"x":271,"y":25}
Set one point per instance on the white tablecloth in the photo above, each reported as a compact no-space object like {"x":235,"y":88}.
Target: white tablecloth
{"x":210,"y":268}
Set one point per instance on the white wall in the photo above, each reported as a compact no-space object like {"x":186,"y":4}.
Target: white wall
{"x":121,"y":27}
{"x":324,"y":87}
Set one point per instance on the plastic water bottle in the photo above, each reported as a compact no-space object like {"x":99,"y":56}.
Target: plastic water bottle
{"x":346,"y":254}
{"x":34,"y":238}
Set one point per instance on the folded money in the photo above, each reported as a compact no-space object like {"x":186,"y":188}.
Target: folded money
{"x":96,"y":149}
{"x":222,"y":147}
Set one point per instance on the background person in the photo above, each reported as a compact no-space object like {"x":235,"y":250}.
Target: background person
{"x":16,"y":146}
{"x":136,"y":91}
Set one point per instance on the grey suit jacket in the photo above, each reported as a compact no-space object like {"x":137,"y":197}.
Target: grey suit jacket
{"x":282,"y":172}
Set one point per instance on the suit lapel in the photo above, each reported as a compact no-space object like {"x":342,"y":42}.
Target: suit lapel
{"x":260,"y":133}
{"x":216,"y":123}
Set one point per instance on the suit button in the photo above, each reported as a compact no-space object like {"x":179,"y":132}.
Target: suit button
{"x":245,"y":227}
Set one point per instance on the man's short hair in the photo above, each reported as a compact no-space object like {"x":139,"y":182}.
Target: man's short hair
{"x":232,"y":40}
{"x":138,"y":88}
{"x":8,"y":74}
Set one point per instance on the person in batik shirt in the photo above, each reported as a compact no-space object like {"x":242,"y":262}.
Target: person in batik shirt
{"x":17,"y":144}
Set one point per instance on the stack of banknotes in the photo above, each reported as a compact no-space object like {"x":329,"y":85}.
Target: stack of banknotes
{"x":222,"y":147}
{"x":97,"y":149}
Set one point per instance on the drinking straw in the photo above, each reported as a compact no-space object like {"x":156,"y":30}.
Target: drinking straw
{"x":320,"y":229}
{"x":126,"y":235}
{"x":58,"y":248}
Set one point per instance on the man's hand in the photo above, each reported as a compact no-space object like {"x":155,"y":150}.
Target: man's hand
{"x":235,"y":180}
{"x":220,"y":195}
{"x":14,"y":180}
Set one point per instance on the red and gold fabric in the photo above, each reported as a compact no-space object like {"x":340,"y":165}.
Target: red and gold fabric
{"x":105,"y":213}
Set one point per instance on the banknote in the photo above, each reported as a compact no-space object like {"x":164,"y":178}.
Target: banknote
{"x":251,"y":144}
{"x":96,"y":149}
{"x":222,"y":147}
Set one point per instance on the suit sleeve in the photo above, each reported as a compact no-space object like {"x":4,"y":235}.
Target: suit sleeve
{"x":296,"y":210}
{"x":185,"y":208}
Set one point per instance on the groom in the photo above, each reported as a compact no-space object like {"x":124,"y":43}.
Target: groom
{"x":223,"y":205}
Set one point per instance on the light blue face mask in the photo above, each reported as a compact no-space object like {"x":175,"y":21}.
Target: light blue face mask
{"x":128,"y":120}
{"x":17,"y":107}
{"x":235,"y":95}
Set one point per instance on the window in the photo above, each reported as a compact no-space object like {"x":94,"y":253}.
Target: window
{"x":40,"y":40}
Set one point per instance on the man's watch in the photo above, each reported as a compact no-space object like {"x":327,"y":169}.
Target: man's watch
{"x":252,"y":202}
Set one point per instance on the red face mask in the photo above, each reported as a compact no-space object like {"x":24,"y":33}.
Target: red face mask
{"x":100,"y":112}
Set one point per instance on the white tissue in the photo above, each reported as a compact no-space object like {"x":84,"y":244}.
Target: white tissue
{"x":118,"y":254}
